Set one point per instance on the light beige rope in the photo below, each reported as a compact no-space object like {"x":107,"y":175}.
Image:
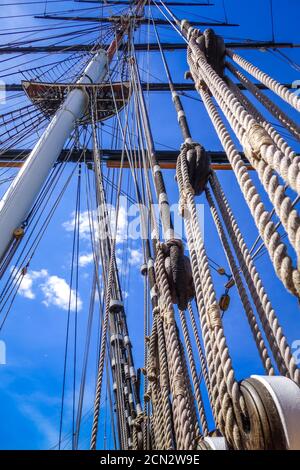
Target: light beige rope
{"x":290,"y":156}
{"x":260,"y":344}
{"x":258,"y":145}
{"x":199,"y":347}
{"x":268,"y":317}
{"x":260,"y":150}
{"x":225,"y":384}
{"x":276,"y":249}
{"x":272,"y":84}
{"x":193,"y":369}
{"x":290,"y":125}
{"x":164,"y":386}
{"x":184,"y":427}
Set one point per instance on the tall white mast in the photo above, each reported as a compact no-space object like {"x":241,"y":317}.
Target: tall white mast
{"x":19,"y":198}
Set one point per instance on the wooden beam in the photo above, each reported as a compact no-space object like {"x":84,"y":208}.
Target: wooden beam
{"x":167,"y":46}
{"x":173,"y":4}
{"x":14,"y":158}
{"x":115,"y":19}
{"x":153,"y":87}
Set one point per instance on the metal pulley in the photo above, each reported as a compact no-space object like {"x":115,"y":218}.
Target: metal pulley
{"x":116,"y":306}
{"x":273,"y":406}
{"x":213,"y":443}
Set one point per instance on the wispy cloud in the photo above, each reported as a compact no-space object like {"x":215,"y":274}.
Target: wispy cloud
{"x":85,"y":259}
{"x":26,"y":286}
{"x":135,"y":257}
{"x":54,"y":289}
{"x":89,"y":220}
{"x":84,"y":224}
{"x":57,"y":292}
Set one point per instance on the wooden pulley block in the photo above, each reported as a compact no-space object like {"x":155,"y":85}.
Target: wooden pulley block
{"x":224,"y":302}
{"x":273,"y":406}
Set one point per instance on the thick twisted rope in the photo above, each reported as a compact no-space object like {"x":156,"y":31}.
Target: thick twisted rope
{"x":183,"y":426}
{"x":264,"y":78}
{"x":259,"y":147}
{"x":191,"y":397}
{"x":283,"y":205}
{"x":194,"y":374}
{"x":273,"y":331}
{"x":226,"y":386}
{"x":164,"y":385}
{"x":290,"y":125}
{"x":157,"y":415}
{"x":199,"y":347}
{"x":260,"y":344}
{"x":211,"y":382}
{"x":102,"y":356}
{"x":291,"y":159}
{"x":282,"y":263}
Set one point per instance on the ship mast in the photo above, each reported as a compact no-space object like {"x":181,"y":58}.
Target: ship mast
{"x":183,"y":312}
{"x":19,"y":198}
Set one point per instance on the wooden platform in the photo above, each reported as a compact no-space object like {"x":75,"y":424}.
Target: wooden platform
{"x":49,"y":96}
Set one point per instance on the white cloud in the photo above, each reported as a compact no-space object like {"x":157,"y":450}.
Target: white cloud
{"x":84,"y":224}
{"x":85,"y":259}
{"x":26,"y":286}
{"x":57,"y":292}
{"x":54,"y":289}
{"x":85,"y":221}
{"x":135,"y":257}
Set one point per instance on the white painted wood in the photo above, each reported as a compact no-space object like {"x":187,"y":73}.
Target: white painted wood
{"x":19,"y":198}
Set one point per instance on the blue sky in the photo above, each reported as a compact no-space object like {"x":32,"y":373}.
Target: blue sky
{"x":31,"y":380}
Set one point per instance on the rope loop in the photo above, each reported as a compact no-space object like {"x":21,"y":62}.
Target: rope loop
{"x":198,"y":162}
{"x":213,"y":47}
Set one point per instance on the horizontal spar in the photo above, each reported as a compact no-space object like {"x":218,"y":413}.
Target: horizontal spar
{"x":171,"y":4}
{"x":115,"y":19}
{"x":167,"y":46}
{"x":167,"y":158}
{"x":188,"y":86}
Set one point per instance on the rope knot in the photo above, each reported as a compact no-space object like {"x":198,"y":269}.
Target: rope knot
{"x":168,"y":316}
{"x":156,"y":310}
{"x":255,"y":138}
{"x":214,"y":316}
{"x":202,"y":85}
{"x":179,"y":386}
{"x":147,"y":395}
{"x":137,"y":422}
{"x":151,"y":371}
